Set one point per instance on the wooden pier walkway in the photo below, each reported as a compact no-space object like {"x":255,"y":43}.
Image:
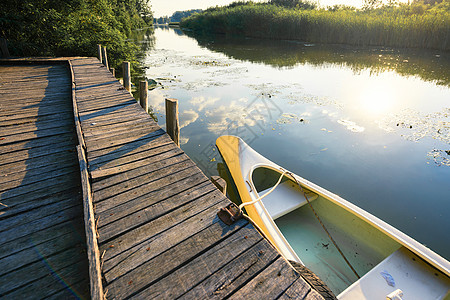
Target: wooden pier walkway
{"x":155,"y":211}
{"x":42,"y":245}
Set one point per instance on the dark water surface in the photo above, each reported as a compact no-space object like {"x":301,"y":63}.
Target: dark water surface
{"x":371,"y":125}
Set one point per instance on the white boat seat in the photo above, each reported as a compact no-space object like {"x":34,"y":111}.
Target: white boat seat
{"x":404,"y":271}
{"x":285,"y":198}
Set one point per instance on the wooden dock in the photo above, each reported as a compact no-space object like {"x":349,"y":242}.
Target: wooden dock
{"x":155,"y":211}
{"x":42,"y":245}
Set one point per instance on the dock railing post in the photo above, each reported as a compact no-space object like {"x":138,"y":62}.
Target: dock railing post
{"x":126,"y":75}
{"x":113,"y":72}
{"x":143,"y":94}
{"x":105,"y":58}
{"x":4,"y":52}
{"x":99,"y":49}
{"x":172,"y":124}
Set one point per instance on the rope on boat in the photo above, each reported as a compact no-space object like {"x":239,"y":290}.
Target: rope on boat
{"x":323,"y":226}
{"x":307,"y":200}
{"x":266,"y":194}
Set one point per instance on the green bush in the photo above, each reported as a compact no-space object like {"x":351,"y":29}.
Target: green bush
{"x":73,"y":27}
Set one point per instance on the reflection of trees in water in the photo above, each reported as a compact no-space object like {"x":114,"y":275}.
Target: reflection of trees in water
{"x":428,"y":65}
{"x":145,"y":39}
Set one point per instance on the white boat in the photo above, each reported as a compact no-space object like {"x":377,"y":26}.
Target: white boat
{"x":388,"y":263}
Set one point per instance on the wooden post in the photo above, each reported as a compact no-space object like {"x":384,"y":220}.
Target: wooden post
{"x":113,"y":71}
{"x":172,"y":124}
{"x":4,"y":48}
{"x":99,"y":49}
{"x":126,"y":75}
{"x":220,"y":183}
{"x":105,"y":58}
{"x":143,"y":94}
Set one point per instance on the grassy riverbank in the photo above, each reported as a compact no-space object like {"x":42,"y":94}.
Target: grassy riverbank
{"x":412,"y":26}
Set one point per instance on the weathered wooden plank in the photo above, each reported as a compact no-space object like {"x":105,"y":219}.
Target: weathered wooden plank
{"x":135,"y":130}
{"x":132,"y":162}
{"x":114,"y":128}
{"x":49,"y":191}
{"x":122,"y":109}
{"x":52,"y":283}
{"x":39,"y":237}
{"x":38,"y":163}
{"x":107,"y":103}
{"x":130,"y":133}
{"x":298,"y":290}
{"x":271,"y":283}
{"x":187,"y":184}
{"x":38,"y":225}
{"x":181,"y":280}
{"x":158,"y":263}
{"x":39,"y":269}
{"x":123,"y":140}
{"x":96,"y":125}
{"x":29,"y":120}
{"x":12,"y":190}
{"x":136,"y":219}
{"x":170,"y":158}
{"x":130,"y":249}
{"x":36,"y":253}
{"x":27,"y":154}
{"x":36,"y":134}
{"x":313,"y":295}
{"x":22,"y":128}
{"x":116,"y":95}
{"x":234,"y":274}
{"x":8,"y":211}
{"x":103,"y":155}
{"x":93,"y":254}
{"x":38,"y":142}
{"x":33,"y":112}
{"x":30,"y":183}
{"x":79,"y":290}
{"x":22,"y":173}
{"x":36,"y":214}
{"x":146,"y":179}
{"x":108,"y":199}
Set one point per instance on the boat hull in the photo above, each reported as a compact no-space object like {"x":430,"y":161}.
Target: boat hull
{"x":381,"y":240}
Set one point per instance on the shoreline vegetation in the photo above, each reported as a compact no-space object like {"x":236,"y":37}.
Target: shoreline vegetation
{"x":417,"y":25}
{"x":425,"y":64}
{"x":74,"y":28}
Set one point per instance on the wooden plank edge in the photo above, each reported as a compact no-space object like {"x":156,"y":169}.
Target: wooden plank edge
{"x":93,"y":252}
{"x":75,"y":108}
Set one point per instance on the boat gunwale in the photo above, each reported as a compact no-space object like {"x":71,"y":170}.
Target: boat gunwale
{"x":419,"y":249}
{"x":403,"y":239}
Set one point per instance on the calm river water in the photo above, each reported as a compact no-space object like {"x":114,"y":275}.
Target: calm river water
{"x":370,"y":125}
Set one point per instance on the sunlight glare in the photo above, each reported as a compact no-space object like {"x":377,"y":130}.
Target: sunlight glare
{"x":377,"y":101}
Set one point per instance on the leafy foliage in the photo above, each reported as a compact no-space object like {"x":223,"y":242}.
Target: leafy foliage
{"x":419,"y":25}
{"x":72,"y":27}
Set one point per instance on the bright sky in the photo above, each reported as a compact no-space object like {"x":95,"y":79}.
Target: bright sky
{"x":168,"y":7}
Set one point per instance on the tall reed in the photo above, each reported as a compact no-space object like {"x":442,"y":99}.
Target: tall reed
{"x":404,"y":26}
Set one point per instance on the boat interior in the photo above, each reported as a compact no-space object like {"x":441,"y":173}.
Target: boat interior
{"x":374,"y":255}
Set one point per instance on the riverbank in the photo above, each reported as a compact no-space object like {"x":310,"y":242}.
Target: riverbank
{"x":406,"y":26}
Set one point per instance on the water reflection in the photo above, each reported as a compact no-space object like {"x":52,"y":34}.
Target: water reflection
{"x":370,"y":125}
{"x":428,"y":65}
